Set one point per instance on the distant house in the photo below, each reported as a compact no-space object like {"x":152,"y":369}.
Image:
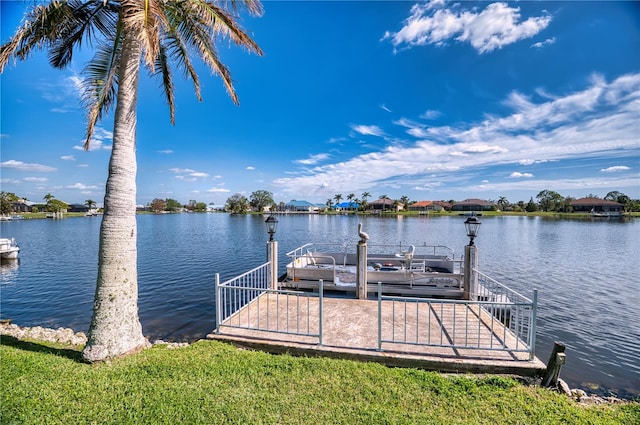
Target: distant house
{"x":214,"y":207}
{"x":78,"y":208}
{"x":347,"y":206}
{"x":301,"y":206}
{"x":22,"y":206}
{"x":596,"y":205}
{"x":425,"y":206}
{"x":446,"y":205}
{"x":473,"y":205}
{"x":382,"y":204}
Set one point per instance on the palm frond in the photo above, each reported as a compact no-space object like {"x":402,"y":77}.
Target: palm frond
{"x":101,"y":82}
{"x":90,"y":20}
{"x":221,"y":21}
{"x":145,"y":18}
{"x":177,"y":49}
{"x":41,"y":26}
{"x":162,"y":67}
{"x":200,"y":39}
{"x":60,"y":26}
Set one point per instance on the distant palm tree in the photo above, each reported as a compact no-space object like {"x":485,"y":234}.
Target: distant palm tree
{"x":364,"y":204}
{"x":384,"y":203}
{"x":338,"y":198}
{"x":48,"y":197}
{"x":329,"y":203}
{"x":90,"y":203}
{"x":404,"y":200}
{"x":127,"y":34}
{"x":350,"y":198}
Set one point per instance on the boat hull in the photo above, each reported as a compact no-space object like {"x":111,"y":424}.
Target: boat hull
{"x":8,"y":249}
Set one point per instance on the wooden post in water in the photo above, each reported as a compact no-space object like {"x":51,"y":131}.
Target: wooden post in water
{"x":555,"y":363}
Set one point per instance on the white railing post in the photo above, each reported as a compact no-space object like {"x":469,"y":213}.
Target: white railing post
{"x":272,"y":257}
{"x":320,"y":298}
{"x":534,"y":317}
{"x":361,"y":269}
{"x":470,"y":279}
{"x":218,"y":306}
{"x":380,"y":316}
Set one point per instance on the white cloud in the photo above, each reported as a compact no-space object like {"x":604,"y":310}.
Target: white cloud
{"x":182,"y":170}
{"x":531,"y":161}
{"x":541,"y":44}
{"x":35,"y":179}
{"x":430,"y":115}
{"x":188,"y":175}
{"x":100,"y":135}
{"x":81,"y":186}
{"x":496,"y":26}
{"x":250,"y":168}
{"x":385,"y":108}
{"x":519,"y":175}
{"x":10,"y":181}
{"x":25,"y":166}
{"x":68,"y":158}
{"x":166,"y":151}
{"x":599,"y":121}
{"x":313,"y":159}
{"x":367,"y":130}
{"x":218,"y":190}
{"x":615,"y":169}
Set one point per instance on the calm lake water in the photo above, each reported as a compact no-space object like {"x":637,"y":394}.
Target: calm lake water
{"x":587,"y":274}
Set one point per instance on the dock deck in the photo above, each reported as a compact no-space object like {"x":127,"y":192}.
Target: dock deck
{"x":350,"y":331}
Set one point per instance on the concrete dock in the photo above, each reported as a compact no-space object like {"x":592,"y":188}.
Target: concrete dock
{"x":350,"y":331}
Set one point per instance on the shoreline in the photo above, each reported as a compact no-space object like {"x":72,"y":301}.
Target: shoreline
{"x":69,"y":337}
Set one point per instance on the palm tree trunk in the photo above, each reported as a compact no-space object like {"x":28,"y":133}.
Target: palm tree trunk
{"x":115,"y":327}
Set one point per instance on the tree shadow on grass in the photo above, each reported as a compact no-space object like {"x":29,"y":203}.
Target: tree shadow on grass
{"x":10,"y":341}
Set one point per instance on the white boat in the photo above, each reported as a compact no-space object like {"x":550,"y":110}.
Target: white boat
{"x":9,"y":249}
{"x":417,"y":270}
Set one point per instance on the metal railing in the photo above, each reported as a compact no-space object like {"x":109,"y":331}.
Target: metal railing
{"x":504,"y":323}
{"x":496,"y":318}
{"x":247,"y":302}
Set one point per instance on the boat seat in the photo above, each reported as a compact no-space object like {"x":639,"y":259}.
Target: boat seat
{"x":311,"y":257}
{"x":407,"y":255}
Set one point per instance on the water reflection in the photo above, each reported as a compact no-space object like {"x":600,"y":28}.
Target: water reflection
{"x":9,"y":271}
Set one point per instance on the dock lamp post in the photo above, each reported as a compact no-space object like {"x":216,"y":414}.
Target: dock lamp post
{"x":271,"y":223}
{"x":473,"y":225}
{"x":470,"y":277}
{"x":272,"y":251}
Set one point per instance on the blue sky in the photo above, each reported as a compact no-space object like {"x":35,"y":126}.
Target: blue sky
{"x":430,"y":100}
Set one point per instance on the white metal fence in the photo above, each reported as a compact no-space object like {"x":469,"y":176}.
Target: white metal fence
{"x":247,"y":302}
{"x":496,"y":318}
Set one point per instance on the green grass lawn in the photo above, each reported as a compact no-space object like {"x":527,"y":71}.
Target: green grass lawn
{"x":213,"y":383}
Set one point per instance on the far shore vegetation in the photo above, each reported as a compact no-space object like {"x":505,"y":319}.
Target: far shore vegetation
{"x":210,"y":382}
{"x":547,"y":203}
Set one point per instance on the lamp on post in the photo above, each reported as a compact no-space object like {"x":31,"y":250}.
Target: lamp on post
{"x":271,"y":223}
{"x":473,"y":225}
{"x":272,"y":251}
{"x":470,"y":277}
